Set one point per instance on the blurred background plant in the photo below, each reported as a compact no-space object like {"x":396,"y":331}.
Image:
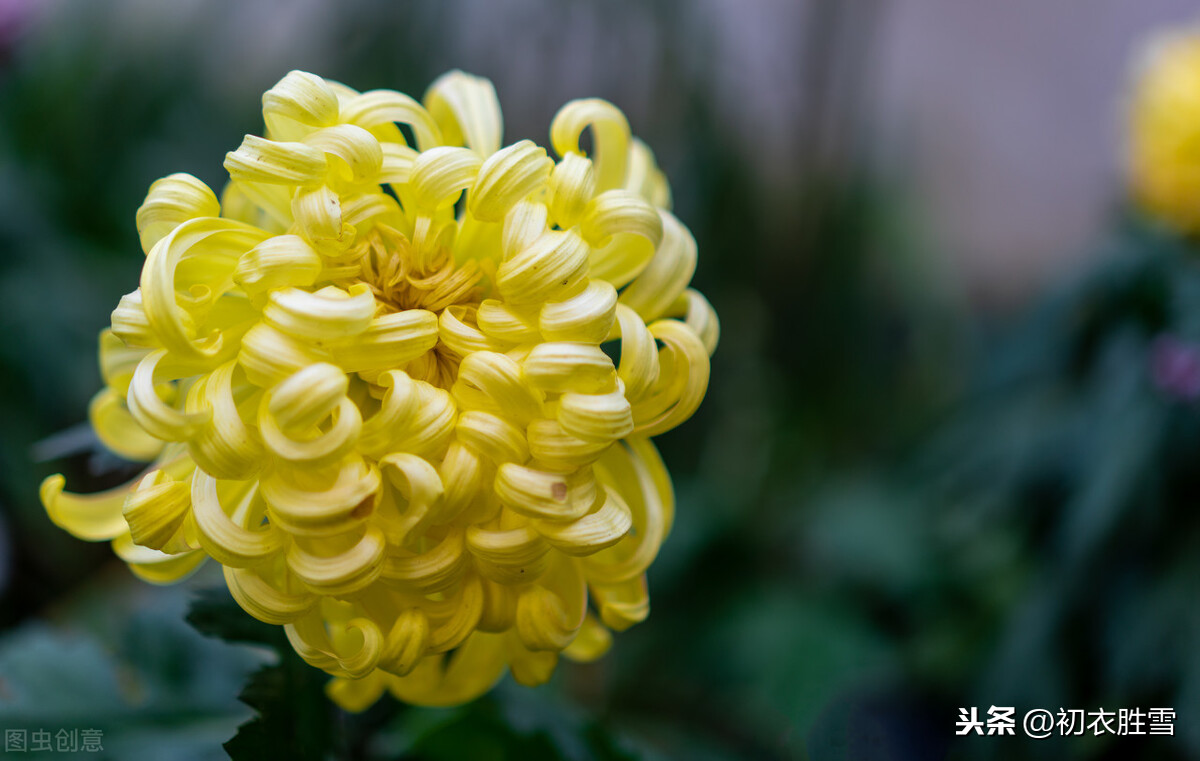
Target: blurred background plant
{"x":916,"y":483}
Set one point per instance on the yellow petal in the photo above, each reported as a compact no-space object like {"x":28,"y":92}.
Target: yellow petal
{"x":591,"y":643}
{"x":93,"y":517}
{"x":552,"y":268}
{"x":467,"y":110}
{"x":610,"y":132}
{"x":228,"y":537}
{"x":118,"y":430}
{"x":587,"y":317}
{"x":155,"y":509}
{"x":377,"y":107}
{"x":506,"y":177}
{"x":173,"y":200}
{"x":154,"y":566}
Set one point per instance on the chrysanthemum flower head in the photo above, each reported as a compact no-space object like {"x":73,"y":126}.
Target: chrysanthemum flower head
{"x":1164,"y":129}
{"x":375,"y":382}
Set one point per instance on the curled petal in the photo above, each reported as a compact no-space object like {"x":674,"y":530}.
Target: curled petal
{"x":546,"y":496}
{"x":596,"y":417}
{"x":156,"y":508}
{"x":227,"y":537}
{"x":264,"y":600}
{"x":531,"y":668}
{"x":492,"y":436}
{"x":505,"y":325}
{"x":275,"y":162}
{"x":327,"y":314}
{"x":415,"y":417}
{"x":623,"y":604}
{"x":389,"y":341}
{"x":434,"y":570}
{"x":155,"y":416}
{"x":508,"y":556}
{"x":224,"y":447}
{"x":320,"y":448}
{"x":624,"y":231}
{"x":311,"y":641}
{"x":356,"y":153}
{"x":552,"y":268}
{"x":319,"y":217}
{"x":439,"y":175}
{"x":506,"y":177}
{"x":592,"y":641}
{"x":702,"y":319}
{"x":550,"y":444}
{"x":317,"y":503}
{"x":467,"y":111}
{"x":306,"y":398}
{"x":462,"y":474}
{"x":645,"y":178}
{"x":131,"y":325}
{"x":268,"y":355}
{"x":93,"y":517}
{"x":678,"y":399}
{"x":210,"y":247}
{"x":499,"y":609}
{"x":454,"y":678}
{"x":543,"y":620}
{"x":397,"y":165}
{"x":341,"y":573}
{"x":420,"y":485}
{"x":572,"y":184}
{"x":667,"y":275}
{"x":636,"y":473}
{"x":376,"y":107}
{"x":460,"y":336}
{"x":610,"y":131}
{"x":495,"y":383}
{"x":561,"y":367}
{"x":406,"y":643}
{"x":278,"y":262}
{"x":297,"y":104}
{"x":154,"y":566}
{"x":173,"y":200}
{"x":524,"y":224}
{"x":587,"y":317}
{"x":603,"y":527}
{"x":639,"y":368}
{"x":118,"y":430}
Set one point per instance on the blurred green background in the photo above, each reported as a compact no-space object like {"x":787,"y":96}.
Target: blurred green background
{"x":932,"y":471}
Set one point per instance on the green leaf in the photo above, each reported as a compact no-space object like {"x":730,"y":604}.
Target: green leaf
{"x":123,"y":662}
{"x":294,"y":717}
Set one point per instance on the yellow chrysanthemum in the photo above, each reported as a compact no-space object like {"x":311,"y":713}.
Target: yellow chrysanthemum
{"x":371,"y":383}
{"x":1164,"y":130}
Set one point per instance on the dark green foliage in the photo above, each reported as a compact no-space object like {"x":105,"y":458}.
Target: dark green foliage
{"x":294,"y":718}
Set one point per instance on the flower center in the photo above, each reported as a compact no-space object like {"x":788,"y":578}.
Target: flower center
{"x":399,"y":281}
